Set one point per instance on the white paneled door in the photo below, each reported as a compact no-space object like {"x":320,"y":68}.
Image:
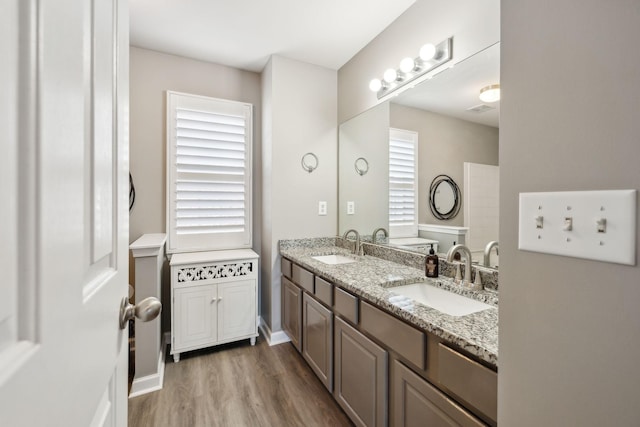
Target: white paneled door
{"x":64,"y":212}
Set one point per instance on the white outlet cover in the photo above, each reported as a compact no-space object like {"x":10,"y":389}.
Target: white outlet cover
{"x":322,"y":208}
{"x":581,"y":209}
{"x":351,"y":208}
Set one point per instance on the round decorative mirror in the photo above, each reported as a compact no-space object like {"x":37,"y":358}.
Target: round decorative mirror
{"x":361,"y":165}
{"x":444,"y":197}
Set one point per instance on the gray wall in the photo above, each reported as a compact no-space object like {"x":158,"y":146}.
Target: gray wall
{"x":473,"y":24}
{"x":151,"y":75}
{"x":569,"y":328}
{"x":445,"y":143}
{"x":300,"y":110}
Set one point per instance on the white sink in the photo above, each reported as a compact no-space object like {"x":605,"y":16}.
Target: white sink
{"x":334,"y":259}
{"x":444,"y":301}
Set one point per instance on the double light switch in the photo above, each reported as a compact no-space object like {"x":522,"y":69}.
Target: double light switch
{"x":599,"y":225}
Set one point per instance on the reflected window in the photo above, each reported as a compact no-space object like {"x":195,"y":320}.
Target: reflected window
{"x":403,"y":183}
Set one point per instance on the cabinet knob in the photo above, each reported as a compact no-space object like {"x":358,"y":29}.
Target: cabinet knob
{"x":213,"y":299}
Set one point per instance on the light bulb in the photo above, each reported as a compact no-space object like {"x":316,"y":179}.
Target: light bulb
{"x":390,"y":75}
{"x":490,"y":93}
{"x":407,"y":65}
{"x":427,"y":52}
{"x":375,"y":85}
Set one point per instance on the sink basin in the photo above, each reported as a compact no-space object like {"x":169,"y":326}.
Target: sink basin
{"x":334,"y":259}
{"x":444,"y":301}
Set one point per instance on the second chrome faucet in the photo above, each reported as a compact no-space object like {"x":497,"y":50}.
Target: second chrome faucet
{"x":466,"y":281}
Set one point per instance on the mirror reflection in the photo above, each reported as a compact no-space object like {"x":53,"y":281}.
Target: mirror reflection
{"x":439,"y":127}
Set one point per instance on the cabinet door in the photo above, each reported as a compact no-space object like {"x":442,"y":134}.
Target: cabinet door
{"x":292,"y":312}
{"x":416,"y":403}
{"x":317,"y":344}
{"x":360,"y":376}
{"x":194,"y":319}
{"x":236,"y":309}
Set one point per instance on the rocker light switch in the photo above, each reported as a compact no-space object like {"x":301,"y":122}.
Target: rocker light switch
{"x":598,"y":225}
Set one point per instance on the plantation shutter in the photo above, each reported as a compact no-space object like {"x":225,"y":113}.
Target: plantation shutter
{"x":403,"y":184}
{"x":209,"y":173}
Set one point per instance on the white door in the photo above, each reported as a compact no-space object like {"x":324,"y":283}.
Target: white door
{"x":64,"y":212}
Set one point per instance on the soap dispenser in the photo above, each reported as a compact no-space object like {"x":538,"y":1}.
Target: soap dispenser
{"x":431,"y":264}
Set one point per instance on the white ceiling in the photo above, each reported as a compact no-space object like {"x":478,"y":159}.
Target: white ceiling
{"x":456,"y":89}
{"x":244,"y":33}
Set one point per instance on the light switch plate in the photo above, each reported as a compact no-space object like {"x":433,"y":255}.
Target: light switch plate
{"x":567,"y":222}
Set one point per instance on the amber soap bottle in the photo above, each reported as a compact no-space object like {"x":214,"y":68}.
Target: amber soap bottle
{"x":431,"y":264}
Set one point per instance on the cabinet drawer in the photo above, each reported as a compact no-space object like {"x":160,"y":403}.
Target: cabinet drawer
{"x":324,"y":291}
{"x":346,"y":305}
{"x":397,"y":335}
{"x":469,"y":380}
{"x":302,"y":277}
{"x":416,"y":402}
{"x":285,"y":266}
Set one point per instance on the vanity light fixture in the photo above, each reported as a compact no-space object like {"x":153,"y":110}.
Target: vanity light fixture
{"x":375,"y":85}
{"x":490,"y":93}
{"x":390,"y":75}
{"x":407,"y":65}
{"x":429,"y":58}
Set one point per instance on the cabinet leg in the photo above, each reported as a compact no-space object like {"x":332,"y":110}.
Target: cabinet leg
{"x":253,"y":341}
{"x":176,"y":357}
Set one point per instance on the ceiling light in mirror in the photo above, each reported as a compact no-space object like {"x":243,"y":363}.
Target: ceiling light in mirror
{"x":490,"y":93}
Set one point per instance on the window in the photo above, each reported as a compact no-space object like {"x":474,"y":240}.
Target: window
{"x":403,"y":183}
{"x":208,"y":173}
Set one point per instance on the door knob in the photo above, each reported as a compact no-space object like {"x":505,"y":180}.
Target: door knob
{"x":146,"y":310}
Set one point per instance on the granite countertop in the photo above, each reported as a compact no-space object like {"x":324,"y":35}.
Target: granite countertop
{"x":373,"y":279}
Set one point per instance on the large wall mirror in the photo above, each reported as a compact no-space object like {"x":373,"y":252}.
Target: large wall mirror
{"x":457,"y":136}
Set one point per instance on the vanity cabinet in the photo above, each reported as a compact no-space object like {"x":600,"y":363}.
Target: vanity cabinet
{"x":381,"y":369}
{"x":213,"y":299}
{"x":292,"y":312}
{"x":416,"y":403}
{"x":360,"y":376}
{"x":317,"y":344}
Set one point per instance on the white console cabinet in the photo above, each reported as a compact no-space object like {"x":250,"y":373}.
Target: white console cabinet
{"x":214,"y":299}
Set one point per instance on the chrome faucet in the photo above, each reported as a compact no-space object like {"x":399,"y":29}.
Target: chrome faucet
{"x":487,"y":252}
{"x":375,"y":233}
{"x":357,"y":248}
{"x":466,"y":281}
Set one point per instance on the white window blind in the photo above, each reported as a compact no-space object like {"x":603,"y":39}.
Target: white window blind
{"x":208,"y":173}
{"x":403,"y":183}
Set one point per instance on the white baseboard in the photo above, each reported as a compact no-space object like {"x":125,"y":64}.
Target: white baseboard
{"x":273,"y":338}
{"x":153,"y":382}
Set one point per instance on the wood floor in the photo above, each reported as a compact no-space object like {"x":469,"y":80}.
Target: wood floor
{"x":238,"y":385}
